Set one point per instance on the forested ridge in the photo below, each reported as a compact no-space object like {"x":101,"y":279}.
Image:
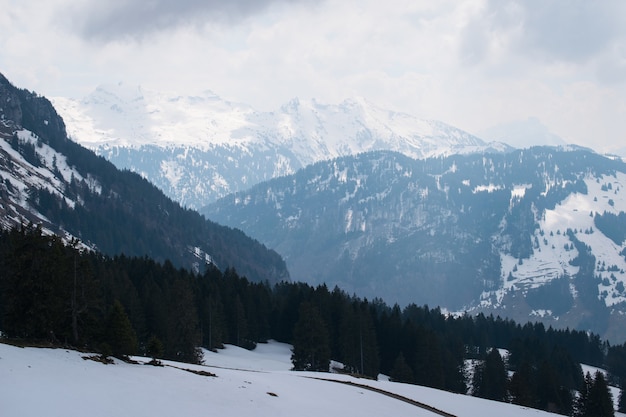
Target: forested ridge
{"x":115,"y":211}
{"x":53,"y":293}
{"x":464,"y":231}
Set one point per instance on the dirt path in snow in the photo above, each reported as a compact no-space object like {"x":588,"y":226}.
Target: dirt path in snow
{"x":394,"y":396}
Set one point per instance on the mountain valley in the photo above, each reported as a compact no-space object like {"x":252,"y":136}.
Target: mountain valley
{"x":409,"y":211}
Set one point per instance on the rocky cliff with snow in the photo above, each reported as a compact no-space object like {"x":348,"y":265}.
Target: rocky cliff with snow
{"x":49,"y":180}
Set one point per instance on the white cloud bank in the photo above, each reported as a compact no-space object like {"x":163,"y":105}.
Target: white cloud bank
{"x":471,"y":63}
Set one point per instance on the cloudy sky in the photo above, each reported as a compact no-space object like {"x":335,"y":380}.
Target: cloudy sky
{"x":471,"y":63}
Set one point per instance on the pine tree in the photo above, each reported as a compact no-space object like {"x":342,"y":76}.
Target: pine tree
{"x":85,"y":298}
{"x":311,"y":348}
{"x":621,"y":406}
{"x":183,"y":328}
{"x":594,"y":399}
{"x":521,"y":386}
{"x":429,"y":369}
{"x":155,"y":348}
{"x":120,"y":335}
{"x":549,"y":391}
{"x":213,"y":322}
{"x":358,"y":344}
{"x":580,"y":405}
{"x":401,"y":371}
{"x":490,"y":378}
{"x":368,"y":345}
{"x":241,"y":324}
{"x":600,"y":398}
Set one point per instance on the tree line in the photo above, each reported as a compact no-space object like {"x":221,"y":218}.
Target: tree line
{"x":58,"y":293}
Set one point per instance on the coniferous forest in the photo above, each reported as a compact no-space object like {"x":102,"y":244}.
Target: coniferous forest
{"x":54,"y":293}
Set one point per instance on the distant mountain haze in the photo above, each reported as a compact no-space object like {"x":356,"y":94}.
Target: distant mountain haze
{"x":523,"y":134}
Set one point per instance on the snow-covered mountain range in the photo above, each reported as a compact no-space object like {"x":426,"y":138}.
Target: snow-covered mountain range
{"x":200,"y":148}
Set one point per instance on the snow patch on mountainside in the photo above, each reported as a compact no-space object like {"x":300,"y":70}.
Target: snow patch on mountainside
{"x":488,"y":188}
{"x":553,"y":251}
{"x":45,"y":169}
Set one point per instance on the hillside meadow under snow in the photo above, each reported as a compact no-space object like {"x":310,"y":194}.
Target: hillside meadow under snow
{"x":549,"y":261}
{"x":60,"y":382}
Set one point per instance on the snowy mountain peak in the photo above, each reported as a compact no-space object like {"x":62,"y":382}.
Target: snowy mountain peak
{"x":116,"y":93}
{"x":291,"y":106}
{"x":124,"y":115}
{"x":204,"y":137}
{"x":356,"y":103}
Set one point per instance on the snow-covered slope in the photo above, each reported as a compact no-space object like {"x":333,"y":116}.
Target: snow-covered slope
{"x":554,"y":252}
{"x":121,"y":115}
{"x":200,"y":148}
{"x":58,"y":382}
{"x":19,"y":175}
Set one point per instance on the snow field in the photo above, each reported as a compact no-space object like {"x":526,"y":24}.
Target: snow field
{"x":549,"y":261}
{"x":59,"y":382}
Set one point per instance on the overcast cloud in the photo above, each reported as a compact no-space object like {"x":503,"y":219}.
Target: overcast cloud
{"x":118,"y":19}
{"x":470,"y":63}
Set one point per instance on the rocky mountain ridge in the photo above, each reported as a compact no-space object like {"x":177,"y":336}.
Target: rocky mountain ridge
{"x":200,"y":148}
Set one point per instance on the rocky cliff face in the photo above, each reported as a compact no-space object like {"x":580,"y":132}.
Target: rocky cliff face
{"x":24,"y":109}
{"x":11,"y":109}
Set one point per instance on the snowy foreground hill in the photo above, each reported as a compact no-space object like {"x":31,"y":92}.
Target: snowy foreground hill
{"x":53,"y":382}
